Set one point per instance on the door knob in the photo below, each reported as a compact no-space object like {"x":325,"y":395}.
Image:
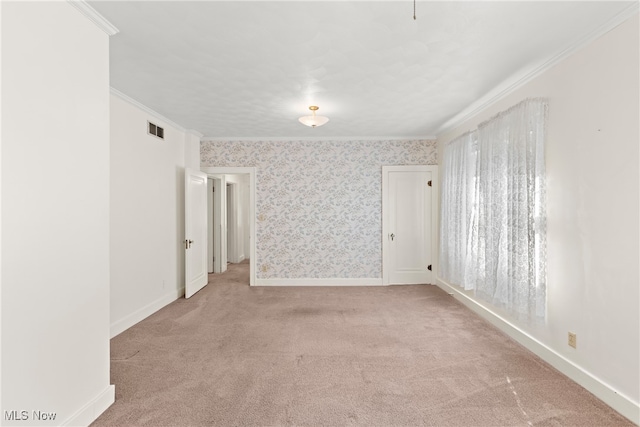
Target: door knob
{"x":392,"y":236}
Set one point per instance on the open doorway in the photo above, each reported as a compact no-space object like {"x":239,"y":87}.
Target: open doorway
{"x":216,"y":224}
{"x":237,"y":222}
{"x":231,"y":218}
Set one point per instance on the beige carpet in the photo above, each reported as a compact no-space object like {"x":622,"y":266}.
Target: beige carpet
{"x":370,"y":356}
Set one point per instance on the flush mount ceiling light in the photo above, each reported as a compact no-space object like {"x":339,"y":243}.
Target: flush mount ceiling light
{"x":313,"y":121}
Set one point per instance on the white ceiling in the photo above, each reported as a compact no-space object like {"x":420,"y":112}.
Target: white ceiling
{"x":250,"y":69}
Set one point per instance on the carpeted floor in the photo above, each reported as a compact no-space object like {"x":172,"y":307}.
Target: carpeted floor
{"x":333,"y":356}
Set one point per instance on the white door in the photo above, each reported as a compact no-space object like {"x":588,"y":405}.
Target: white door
{"x":408,"y":224}
{"x":195,"y":218}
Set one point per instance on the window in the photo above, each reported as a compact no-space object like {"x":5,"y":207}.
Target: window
{"x":493,"y":228}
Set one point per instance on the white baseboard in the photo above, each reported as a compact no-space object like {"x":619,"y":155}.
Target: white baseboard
{"x":319,"y":282}
{"x":92,"y":410}
{"x":128,"y":321}
{"x":600,"y":389}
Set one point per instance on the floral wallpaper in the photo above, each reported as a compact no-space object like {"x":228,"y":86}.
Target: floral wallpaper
{"x":318,"y":203}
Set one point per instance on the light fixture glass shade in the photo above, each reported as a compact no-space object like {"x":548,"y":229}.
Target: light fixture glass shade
{"x":313,"y":121}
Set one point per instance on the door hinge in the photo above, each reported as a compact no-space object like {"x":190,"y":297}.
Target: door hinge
{"x":429,"y":268}
{"x":429,"y":183}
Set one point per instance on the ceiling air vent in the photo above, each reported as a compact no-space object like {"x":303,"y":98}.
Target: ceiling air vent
{"x":155,"y":130}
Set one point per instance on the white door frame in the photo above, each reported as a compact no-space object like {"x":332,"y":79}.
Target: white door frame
{"x":385,"y":215}
{"x":251,"y":171}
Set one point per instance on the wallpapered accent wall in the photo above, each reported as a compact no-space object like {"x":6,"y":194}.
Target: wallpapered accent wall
{"x":318,"y":203}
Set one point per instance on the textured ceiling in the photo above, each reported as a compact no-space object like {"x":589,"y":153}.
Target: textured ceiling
{"x":250,"y":69}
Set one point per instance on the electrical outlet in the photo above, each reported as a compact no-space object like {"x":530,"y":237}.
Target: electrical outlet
{"x":572,"y":340}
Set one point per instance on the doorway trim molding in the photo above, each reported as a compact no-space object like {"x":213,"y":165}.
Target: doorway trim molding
{"x":251,"y":171}
{"x":435,"y":219}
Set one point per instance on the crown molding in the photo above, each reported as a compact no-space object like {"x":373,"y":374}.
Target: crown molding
{"x":149,"y":111}
{"x":94,"y":16}
{"x":517,"y":81}
{"x":195,"y":133}
{"x":324,"y":138}
{"x":153,"y":113}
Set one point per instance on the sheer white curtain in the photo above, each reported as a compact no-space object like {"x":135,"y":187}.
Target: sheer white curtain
{"x":505,"y":256}
{"x":458,"y":208}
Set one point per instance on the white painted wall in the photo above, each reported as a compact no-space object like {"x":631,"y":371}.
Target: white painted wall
{"x":593,"y":195}
{"x":55,"y":214}
{"x":147,"y":213}
{"x":192,"y":149}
